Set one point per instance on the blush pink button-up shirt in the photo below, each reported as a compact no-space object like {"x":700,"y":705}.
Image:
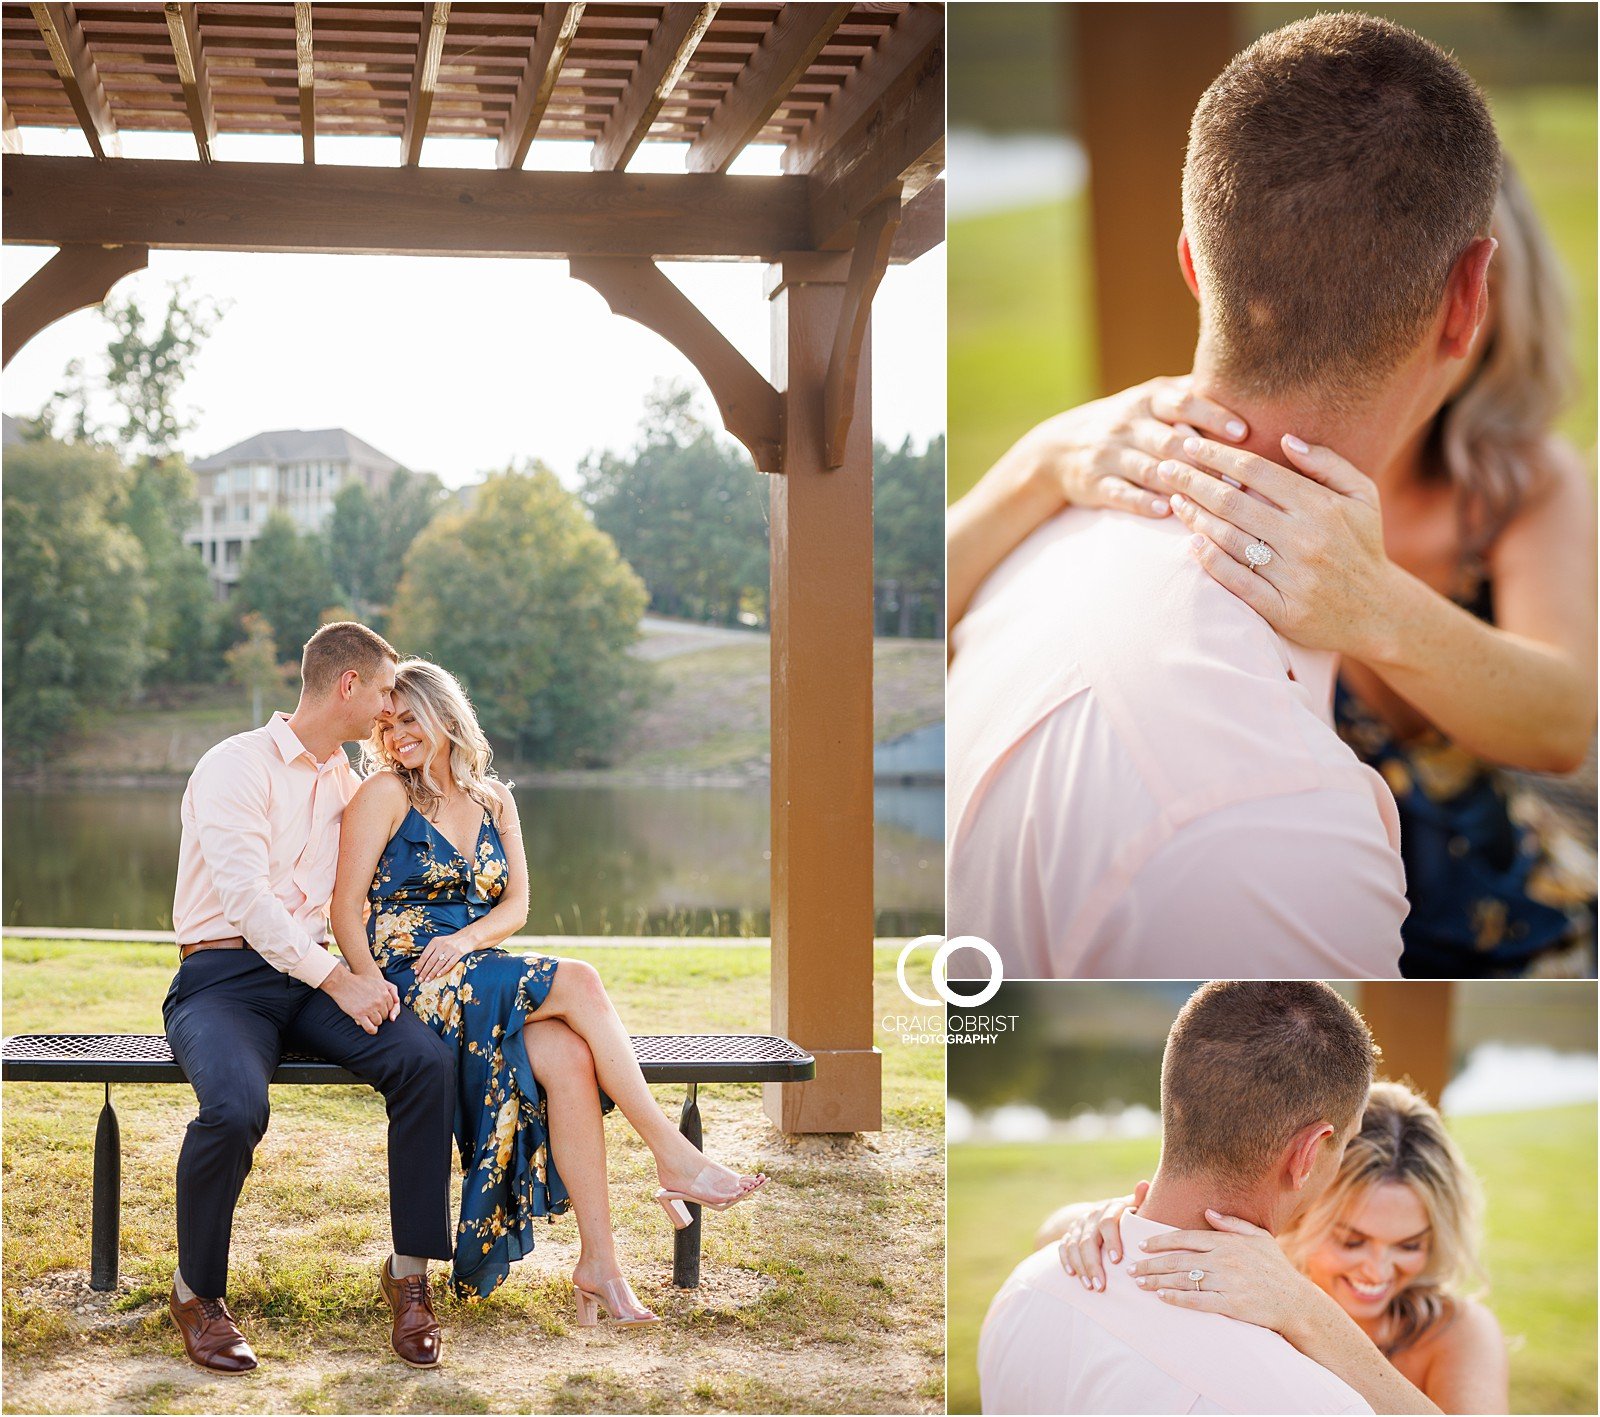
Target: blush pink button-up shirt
{"x":260,"y":847}
{"x":1050,"y":1345}
{"x":1144,"y":780}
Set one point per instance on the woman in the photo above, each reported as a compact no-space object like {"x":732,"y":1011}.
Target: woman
{"x":1458,"y":587}
{"x":1391,"y":1244}
{"x":431,"y":843}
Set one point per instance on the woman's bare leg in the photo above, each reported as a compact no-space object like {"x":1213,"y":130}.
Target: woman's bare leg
{"x":564,"y":1070}
{"x":579,"y":999}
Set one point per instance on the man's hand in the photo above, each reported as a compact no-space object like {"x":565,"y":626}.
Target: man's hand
{"x":369,"y":999}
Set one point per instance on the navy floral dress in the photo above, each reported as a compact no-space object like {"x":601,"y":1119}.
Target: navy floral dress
{"x":424,"y":887}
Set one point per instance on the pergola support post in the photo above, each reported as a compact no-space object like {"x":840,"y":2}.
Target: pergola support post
{"x":74,"y":277}
{"x":821,"y":613}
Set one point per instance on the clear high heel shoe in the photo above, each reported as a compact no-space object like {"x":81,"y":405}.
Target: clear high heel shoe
{"x":676,"y":1203}
{"x":617,"y":1298}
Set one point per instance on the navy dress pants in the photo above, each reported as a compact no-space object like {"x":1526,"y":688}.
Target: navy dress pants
{"x":230,"y":1016}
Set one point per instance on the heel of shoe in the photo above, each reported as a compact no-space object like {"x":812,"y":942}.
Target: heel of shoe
{"x":677,"y":1211}
{"x":588,"y":1305}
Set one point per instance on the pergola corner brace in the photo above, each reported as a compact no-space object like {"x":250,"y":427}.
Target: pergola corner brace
{"x":634,"y":287}
{"x":868,"y":260}
{"x":74,"y":277}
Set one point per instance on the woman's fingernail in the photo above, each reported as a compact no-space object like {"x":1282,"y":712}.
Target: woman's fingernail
{"x":1168,"y":469}
{"x":1159,"y":507}
{"x":1196,"y":543}
{"x":1193,"y":445}
{"x":1179,"y":503}
{"x":1115,"y":1257}
{"x":1099,"y":1284}
{"x":1145,"y":1244}
{"x":1298,"y":445}
{"x":1143,"y":1281}
{"x":1236,"y":429}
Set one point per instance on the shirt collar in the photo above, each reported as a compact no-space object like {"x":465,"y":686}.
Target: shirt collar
{"x":291,"y":749}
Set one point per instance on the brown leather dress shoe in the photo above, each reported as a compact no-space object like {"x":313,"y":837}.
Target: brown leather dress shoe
{"x":416,"y":1337}
{"x":210,"y":1337}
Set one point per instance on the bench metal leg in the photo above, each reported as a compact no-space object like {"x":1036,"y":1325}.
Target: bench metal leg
{"x":105,"y":1236}
{"x":686,"y":1242}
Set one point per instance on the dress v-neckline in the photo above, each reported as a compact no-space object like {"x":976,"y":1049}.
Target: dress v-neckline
{"x":461,"y":855}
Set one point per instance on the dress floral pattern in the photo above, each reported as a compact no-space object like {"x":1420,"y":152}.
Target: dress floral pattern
{"x":425,"y":887}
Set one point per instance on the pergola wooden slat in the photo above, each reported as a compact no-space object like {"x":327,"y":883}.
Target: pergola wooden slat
{"x":854,"y":96}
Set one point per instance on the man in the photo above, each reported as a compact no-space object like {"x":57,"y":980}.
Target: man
{"x":256,"y":868}
{"x":1144,"y":779}
{"x":1262,"y":1085}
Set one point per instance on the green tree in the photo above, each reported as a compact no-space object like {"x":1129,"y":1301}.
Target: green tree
{"x":74,"y":581}
{"x":908,"y":538}
{"x":253,"y":663}
{"x":285,"y":579}
{"x":532,"y":608}
{"x":368,"y":537}
{"x":688,"y":512}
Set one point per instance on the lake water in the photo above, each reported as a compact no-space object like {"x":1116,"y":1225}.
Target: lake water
{"x":602,"y":860}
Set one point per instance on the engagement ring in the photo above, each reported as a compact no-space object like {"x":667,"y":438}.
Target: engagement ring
{"x":1258,"y":554}
{"x":1197,"y":1275}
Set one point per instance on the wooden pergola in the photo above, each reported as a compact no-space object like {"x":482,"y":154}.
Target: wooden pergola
{"x":854,"y":95}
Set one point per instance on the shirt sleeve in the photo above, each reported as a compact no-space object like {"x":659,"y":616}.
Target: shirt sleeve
{"x":1299,"y":886}
{"x":230,"y":799}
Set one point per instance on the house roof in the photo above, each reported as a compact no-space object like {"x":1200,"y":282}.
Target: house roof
{"x":300,"y":445}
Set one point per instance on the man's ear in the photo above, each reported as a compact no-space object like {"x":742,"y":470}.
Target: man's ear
{"x":1300,"y":1160}
{"x":1466,"y":296}
{"x":347,"y":683}
{"x":1186,"y":263}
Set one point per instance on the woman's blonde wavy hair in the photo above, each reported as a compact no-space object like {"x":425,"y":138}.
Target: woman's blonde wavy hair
{"x":1491,"y":437}
{"x":1403,"y":1140}
{"x":443,"y":713}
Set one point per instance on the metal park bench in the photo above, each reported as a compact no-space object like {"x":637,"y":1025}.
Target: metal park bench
{"x":137,"y":1058}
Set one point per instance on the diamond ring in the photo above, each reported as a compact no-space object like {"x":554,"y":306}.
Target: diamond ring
{"x":1258,"y":554}
{"x":1197,"y":1275}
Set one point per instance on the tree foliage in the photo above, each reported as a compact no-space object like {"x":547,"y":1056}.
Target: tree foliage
{"x":253,"y":663}
{"x":908,"y":538}
{"x":531,"y":606}
{"x":74,"y":590}
{"x":286,"y":580}
{"x":688,"y":512}
{"x":368,"y":538}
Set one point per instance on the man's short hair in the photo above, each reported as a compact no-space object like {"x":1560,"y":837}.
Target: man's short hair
{"x":1249,"y":1063}
{"x":1337,"y":168}
{"x":339,"y":646}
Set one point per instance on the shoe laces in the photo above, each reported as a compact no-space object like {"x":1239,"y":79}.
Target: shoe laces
{"x":213,"y":1309}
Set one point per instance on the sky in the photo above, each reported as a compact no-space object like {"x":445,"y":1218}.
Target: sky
{"x":456,"y":366}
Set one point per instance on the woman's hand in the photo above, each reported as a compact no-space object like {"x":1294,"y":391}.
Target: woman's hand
{"x":1098,"y":1230}
{"x":1247,"y":1276}
{"x":444,"y":953}
{"x":1105,"y":454}
{"x":1328,"y":583}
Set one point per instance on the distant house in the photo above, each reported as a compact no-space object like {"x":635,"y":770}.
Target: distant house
{"x":291,"y":470}
{"x":10,"y":430}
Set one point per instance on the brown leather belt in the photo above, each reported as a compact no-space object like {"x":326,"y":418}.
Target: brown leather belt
{"x":233,"y":942}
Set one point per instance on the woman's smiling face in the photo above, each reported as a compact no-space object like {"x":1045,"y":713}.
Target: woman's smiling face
{"x":403,"y":736}
{"x":1373,"y":1251}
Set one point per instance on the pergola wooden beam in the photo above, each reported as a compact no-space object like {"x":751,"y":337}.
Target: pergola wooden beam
{"x":785,"y":53}
{"x":895,"y":148}
{"x":751,"y":408}
{"x":306,"y":80}
{"x":240,"y":206}
{"x":183,"y":26}
{"x":921,"y":225}
{"x":424,"y":80}
{"x":868,"y":261}
{"x":558,"y":24}
{"x":75,"y":67}
{"x":675,"y":38}
{"x":74,"y":277}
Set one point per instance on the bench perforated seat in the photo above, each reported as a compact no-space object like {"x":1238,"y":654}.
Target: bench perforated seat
{"x":691,"y":1058}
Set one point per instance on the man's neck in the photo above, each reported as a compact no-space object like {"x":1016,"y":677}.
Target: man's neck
{"x":1383,"y":438}
{"x":1182,"y":1202}
{"x":317,"y":729}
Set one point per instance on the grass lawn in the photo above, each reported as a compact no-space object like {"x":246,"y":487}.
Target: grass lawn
{"x":1021,"y":327}
{"x":823,"y":1296}
{"x":1538,"y":1175}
